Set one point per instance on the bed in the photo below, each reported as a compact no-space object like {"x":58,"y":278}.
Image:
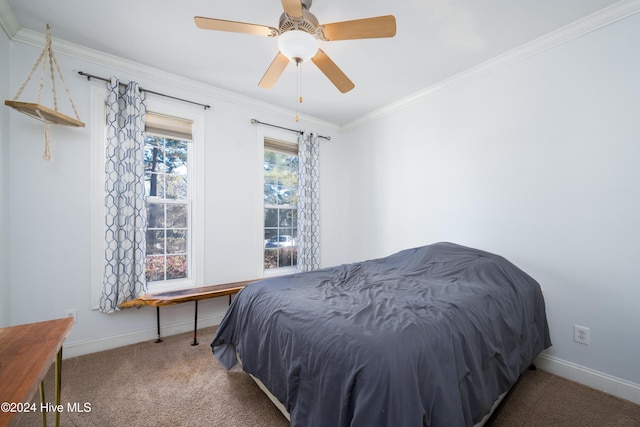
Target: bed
{"x":429,"y":336}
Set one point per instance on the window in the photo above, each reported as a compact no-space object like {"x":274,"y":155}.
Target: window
{"x":168,"y":196}
{"x":174,"y":197}
{"x":174,"y":189}
{"x":280,"y":226}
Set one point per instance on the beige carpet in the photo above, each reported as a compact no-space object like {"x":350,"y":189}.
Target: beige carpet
{"x":175,"y":384}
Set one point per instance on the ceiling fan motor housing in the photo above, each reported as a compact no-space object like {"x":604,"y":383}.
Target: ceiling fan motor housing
{"x":307,"y":22}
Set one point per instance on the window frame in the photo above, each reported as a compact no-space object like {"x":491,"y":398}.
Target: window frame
{"x":263,"y":134}
{"x":197,"y":180}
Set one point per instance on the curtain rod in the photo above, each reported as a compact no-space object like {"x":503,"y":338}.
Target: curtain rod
{"x":254,"y":121}
{"x":91,"y":76}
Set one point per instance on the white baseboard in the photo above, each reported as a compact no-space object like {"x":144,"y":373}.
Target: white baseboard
{"x":79,"y":348}
{"x":600,"y":381}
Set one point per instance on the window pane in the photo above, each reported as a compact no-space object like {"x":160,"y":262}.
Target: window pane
{"x":153,"y":157}
{"x":287,"y":256}
{"x":285,"y":161}
{"x":155,"y":215}
{"x":270,"y":258}
{"x":177,"y":216}
{"x":286,"y":218}
{"x":269,"y":161}
{"x":176,"y":241}
{"x":176,"y":154}
{"x":152,"y":141}
{"x":269,"y":233}
{"x":176,"y":267}
{"x":154,"y":268}
{"x":154,"y":184}
{"x":270,"y":192}
{"x":177,"y":185}
{"x":155,"y":242}
{"x":294,"y":195}
{"x":271,"y":217}
{"x":286,"y":195}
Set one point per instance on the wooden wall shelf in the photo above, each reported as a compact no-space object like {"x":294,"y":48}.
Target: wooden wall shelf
{"x":44,"y":114}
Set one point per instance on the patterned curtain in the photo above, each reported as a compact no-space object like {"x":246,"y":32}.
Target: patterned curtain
{"x":308,"y":203}
{"x":125,"y":218}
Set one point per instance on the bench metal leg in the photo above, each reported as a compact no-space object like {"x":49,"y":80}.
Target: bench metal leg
{"x":195,"y":323}
{"x":158,"y":323}
{"x":195,"y":326}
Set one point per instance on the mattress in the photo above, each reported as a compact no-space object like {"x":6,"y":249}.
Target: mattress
{"x":427,"y":336}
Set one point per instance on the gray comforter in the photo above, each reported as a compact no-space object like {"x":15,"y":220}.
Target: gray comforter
{"x":429,"y":336}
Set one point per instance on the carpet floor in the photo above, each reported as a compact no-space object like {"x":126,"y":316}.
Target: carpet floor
{"x":176,"y":384}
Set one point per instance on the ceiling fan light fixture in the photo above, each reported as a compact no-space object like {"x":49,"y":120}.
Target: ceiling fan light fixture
{"x":298,"y":45}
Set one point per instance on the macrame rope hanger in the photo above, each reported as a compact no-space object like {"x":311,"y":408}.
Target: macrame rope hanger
{"x":38,"y":111}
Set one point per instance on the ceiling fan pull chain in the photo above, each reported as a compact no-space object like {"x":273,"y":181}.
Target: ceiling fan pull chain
{"x":298,"y":86}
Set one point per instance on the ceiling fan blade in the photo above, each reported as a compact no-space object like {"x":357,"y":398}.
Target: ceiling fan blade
{"x":368,"y":28}
{"x":293,"y":8}
{"x":333,"y":73}
{"x":274,"y":71}
{"x":234,"y":26}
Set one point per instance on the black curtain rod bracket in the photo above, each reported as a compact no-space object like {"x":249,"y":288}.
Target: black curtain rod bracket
{"x":91,"y":76}
{"x":258,"y":122}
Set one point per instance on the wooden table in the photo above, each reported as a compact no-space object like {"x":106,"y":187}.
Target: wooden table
{"x":26,"y":354}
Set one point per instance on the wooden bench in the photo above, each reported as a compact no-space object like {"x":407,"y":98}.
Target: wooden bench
{"x":185,"y":295}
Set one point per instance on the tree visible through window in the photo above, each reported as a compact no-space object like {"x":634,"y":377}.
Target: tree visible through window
{"x":280,"y":205}
{"x":168,"y":206}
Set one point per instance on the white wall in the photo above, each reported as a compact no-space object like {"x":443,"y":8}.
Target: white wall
{"x":4,"y":183}
{"x":538,"y":162}
{"x":50,"y":204}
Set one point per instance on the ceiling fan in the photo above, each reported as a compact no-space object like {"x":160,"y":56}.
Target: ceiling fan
{"x":298,"y":33}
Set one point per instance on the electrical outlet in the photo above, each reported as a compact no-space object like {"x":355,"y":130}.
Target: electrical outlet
{"x":581,"y":334}
{"x":72,"y":312}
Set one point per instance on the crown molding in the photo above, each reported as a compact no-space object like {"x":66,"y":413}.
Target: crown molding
{"x":588,"y":24}
{"x":593,"y":22}
{"x":154,"y":74}
{"x":8,"y":20}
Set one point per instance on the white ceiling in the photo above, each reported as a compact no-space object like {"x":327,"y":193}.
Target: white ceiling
{"x":435,"y":40}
